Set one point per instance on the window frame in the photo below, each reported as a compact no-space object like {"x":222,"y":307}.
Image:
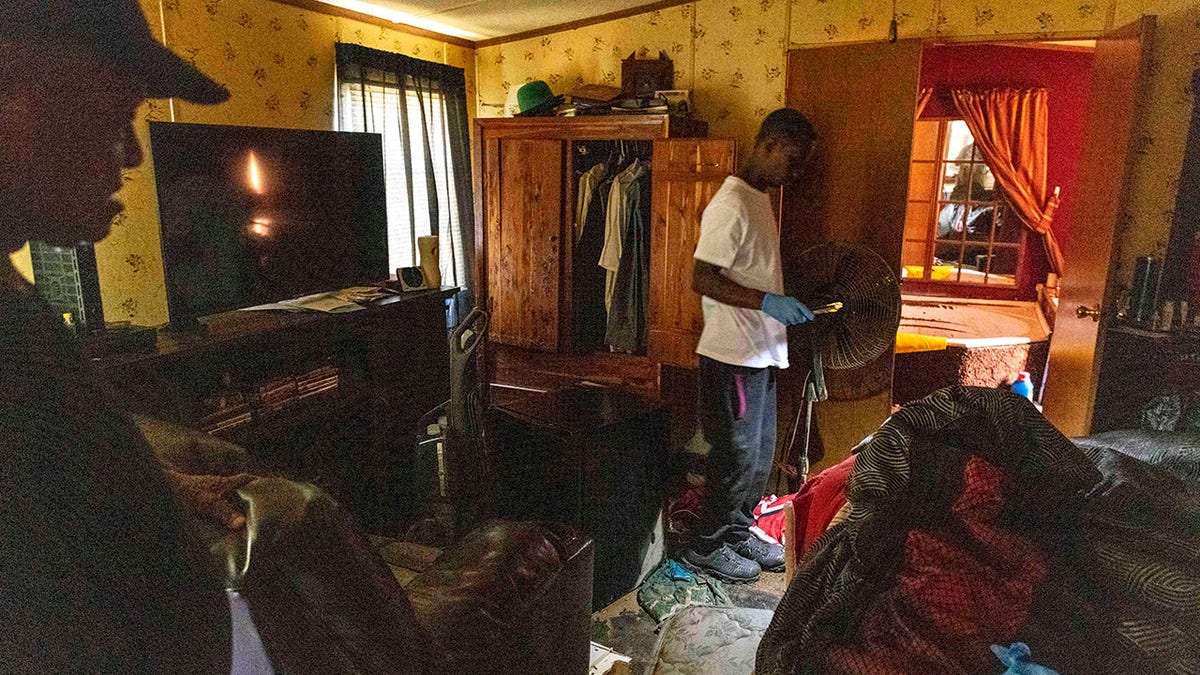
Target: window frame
{"x":390,"y":86}
{"x":932,"y":196}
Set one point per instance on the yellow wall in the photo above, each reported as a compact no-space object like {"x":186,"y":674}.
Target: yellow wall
{"x":278,"y":62}
{"x":23,"y":262}
{"x":732,"y":54}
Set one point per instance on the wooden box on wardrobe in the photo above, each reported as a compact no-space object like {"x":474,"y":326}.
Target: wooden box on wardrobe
{"x":526,"y":212}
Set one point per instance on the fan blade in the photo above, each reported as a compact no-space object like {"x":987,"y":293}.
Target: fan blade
{"x":876,"y":307}
{"x":844,"y":343}
{"x":847,"y":266}
{"x":856,"y":276}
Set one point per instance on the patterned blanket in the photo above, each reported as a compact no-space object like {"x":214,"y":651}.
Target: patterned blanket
{"x":975,"y":522}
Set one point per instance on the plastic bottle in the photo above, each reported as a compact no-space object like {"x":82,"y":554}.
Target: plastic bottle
{"x":1023,"y":385}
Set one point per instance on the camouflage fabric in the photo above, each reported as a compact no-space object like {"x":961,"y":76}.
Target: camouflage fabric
{"x":670,"y":588}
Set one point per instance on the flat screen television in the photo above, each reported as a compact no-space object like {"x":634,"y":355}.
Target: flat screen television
{"x":256,"y":215}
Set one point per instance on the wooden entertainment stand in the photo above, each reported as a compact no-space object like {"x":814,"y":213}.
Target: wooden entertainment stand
{"x":330,"y":398}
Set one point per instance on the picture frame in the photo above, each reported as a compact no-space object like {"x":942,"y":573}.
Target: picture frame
{"x":679,"y":101}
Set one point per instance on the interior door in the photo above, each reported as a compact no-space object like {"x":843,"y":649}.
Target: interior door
{"x":524,"y":187}
{"x":687,"y":172}
{"x":861,"y":99}
{"x":1119,"y":75}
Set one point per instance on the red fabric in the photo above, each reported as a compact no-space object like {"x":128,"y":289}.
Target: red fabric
{"x":768,"y":515}
{"x":816,"y":503}
{"x":1067,"y":75}
{"x":964,"y":586}
{"x":687,"y":497}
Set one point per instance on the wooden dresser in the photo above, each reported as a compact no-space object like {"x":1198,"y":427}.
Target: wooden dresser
{"x":330,"y":398}
{"x":1138,"y":365}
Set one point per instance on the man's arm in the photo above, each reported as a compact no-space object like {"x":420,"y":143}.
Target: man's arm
{"x":203,"y":470}
{"x":708,"y":280}
{"x":189,"y":451}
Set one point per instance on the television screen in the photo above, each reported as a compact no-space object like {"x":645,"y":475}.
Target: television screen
{"x":255,"y":215}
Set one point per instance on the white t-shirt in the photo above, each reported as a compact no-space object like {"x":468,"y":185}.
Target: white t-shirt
{"x":738,"y":233}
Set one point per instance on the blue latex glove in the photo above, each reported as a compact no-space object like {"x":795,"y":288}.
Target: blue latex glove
{"x":786,"y":310}
{"x":1016,"y":657}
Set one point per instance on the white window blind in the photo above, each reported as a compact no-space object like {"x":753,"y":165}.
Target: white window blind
{"x":377,"y":108}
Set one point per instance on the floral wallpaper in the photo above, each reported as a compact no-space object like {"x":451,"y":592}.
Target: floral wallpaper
{"x":278,"y":62}
{"x":740,"y":64}
{"x":587,"y":55}
{"x":1162,"y":136}
{"x":732,"y":53}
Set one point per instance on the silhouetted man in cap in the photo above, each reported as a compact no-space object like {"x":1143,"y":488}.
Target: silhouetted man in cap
{"x":98,"y":574}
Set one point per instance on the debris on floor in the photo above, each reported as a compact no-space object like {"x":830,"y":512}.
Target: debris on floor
{"x":605,"y":661}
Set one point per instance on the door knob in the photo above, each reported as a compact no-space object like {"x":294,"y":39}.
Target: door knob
{"x":1084,"y":312}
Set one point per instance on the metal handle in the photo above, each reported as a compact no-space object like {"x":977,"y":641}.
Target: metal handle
{"x":827,"y":309}
{"x":1084,"y":312}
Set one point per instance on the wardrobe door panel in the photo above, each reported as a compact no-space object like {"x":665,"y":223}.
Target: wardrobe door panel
{"x":687,"y":172}
{"x":861,"y":99}
{"x":524,"y":244}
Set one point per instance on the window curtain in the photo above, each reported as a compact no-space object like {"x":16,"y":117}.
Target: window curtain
{"x":923,"y":97}
{"x":1010,"y":130}
{"x":420,"y":109}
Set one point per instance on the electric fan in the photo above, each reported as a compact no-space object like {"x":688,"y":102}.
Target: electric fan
{"x":856,"y":300}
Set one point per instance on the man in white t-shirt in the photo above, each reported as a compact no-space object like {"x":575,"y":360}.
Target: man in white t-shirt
{"x":746,"y":314}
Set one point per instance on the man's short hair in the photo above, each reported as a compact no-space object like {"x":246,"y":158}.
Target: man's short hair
{"x":786,"y":124}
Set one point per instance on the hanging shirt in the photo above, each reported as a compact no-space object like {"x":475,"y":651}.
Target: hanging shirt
{"x":587,"y":287}
{"x":630,"y":292}
{"x":587,"y":187}
{"x":738,"y":233}
{"x":614,"y":229}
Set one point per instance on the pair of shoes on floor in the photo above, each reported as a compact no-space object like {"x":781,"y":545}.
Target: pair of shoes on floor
{"x":723,"y":564}
{"x":769,"y":557}
{"x":738,"y":563}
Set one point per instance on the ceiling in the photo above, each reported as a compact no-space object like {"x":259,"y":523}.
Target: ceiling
{"x":487,"y":19}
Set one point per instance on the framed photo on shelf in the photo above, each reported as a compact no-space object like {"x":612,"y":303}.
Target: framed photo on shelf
{"x":679,"y":101}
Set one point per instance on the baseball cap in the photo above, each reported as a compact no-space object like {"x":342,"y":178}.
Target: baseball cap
{"x":115,"y":31}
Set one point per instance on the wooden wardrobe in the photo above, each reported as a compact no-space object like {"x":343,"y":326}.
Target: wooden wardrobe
{"x":526,"y":196}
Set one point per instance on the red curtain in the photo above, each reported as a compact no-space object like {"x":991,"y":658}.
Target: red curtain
{"x":1010,"y":130}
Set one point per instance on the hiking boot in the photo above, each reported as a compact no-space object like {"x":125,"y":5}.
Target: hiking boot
{"x":768,"y":556}
{"x":723,"y":564}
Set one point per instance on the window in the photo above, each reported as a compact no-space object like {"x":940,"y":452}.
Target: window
{"x":378,"y":107}
{"x":957,"y":229}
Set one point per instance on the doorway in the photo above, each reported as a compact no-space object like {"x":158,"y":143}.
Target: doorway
{"x":866,"y":118}
{"x":980,"y":296}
